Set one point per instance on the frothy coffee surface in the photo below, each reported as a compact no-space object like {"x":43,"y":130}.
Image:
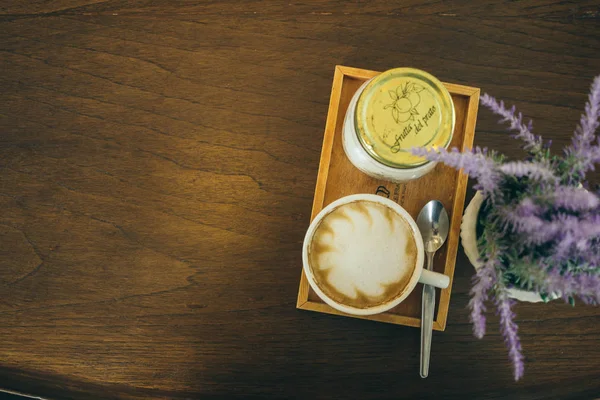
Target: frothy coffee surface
{"x":363,"y":254}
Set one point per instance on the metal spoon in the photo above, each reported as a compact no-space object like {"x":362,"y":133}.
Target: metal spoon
{"x":434,"y":225}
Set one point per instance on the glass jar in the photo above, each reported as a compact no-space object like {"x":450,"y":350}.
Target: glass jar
{"x":391,"y":113}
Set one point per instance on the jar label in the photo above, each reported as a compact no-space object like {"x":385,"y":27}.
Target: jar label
{"x":401,"y":109}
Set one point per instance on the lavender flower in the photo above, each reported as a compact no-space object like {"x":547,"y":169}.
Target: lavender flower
{"x":567,"y":230}
{"x":574,"y":199}
{"x":519,"y":217}
{"x":532,"y":143}
{"x":584,"y":134}
{"x":540,"y":222}
{"x":534,"y":170}
{"x":574,"y":234}
{"x":592,"y":258}
{"x":483,"y":281}
{"x":581,"y":228}
{"x":534,"y":229}
{"x":585,"y":286}
{"x":527,"y":207}
{"x":474,"y":162}
{"x":509,"y":331}
{"x":581,"y":148}
{"x":563,"y":247}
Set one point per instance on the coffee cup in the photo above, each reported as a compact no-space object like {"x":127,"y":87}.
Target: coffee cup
{"x":363,"y":254}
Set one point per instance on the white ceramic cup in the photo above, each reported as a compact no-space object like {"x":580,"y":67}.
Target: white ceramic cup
{"x":417,"y":275}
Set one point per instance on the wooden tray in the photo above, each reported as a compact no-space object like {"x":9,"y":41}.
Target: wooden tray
{"x":443,"y":183}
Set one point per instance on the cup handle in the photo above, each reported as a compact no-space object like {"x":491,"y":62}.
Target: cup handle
{"x":434,"y":279}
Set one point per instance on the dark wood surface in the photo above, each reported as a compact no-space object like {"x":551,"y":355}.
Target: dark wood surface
{"x":157,"y":168}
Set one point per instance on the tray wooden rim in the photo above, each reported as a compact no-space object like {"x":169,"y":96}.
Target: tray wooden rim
{"x":472,"y":94}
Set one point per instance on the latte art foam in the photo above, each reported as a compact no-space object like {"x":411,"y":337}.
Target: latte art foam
{"x":363,"y":254}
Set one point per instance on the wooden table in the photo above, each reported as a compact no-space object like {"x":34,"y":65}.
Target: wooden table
{"x":157,"y":167}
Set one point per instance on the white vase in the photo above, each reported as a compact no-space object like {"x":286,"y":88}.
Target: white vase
{"x":468,"y":237}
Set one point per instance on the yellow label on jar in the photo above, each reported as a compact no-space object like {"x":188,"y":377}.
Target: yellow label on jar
{"x":401,"y":109}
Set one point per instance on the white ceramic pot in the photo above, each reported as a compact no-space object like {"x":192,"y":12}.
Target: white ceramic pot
{"x":468,"y":237}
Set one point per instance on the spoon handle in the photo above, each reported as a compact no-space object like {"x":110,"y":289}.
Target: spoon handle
{"x":427,"y":308}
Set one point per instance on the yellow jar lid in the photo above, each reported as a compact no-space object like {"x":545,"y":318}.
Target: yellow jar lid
{"x":400,"y":109}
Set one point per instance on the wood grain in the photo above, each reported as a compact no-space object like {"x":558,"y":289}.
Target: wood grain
{"x":157,"y":168}
{"x":338,"y":178}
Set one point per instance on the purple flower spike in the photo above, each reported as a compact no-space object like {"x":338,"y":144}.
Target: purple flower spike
{"x":584,"y":134}
{"x":574,"y":199}
{"x":509,"y":331}
{"x":522,"y":219}
{"x":594,"y":155}
{"x":582,"y":148}
{"x":584,"y":286}
{"x":528,"y":169}
{"x":532,"y":143}
{"x":483,"y":281}
{"x":539,"y":225}
{"x":475,"y":163}
{"x":527,"y":208}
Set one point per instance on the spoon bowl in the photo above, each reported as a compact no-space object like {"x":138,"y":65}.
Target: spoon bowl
{"x":434,"y":225}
